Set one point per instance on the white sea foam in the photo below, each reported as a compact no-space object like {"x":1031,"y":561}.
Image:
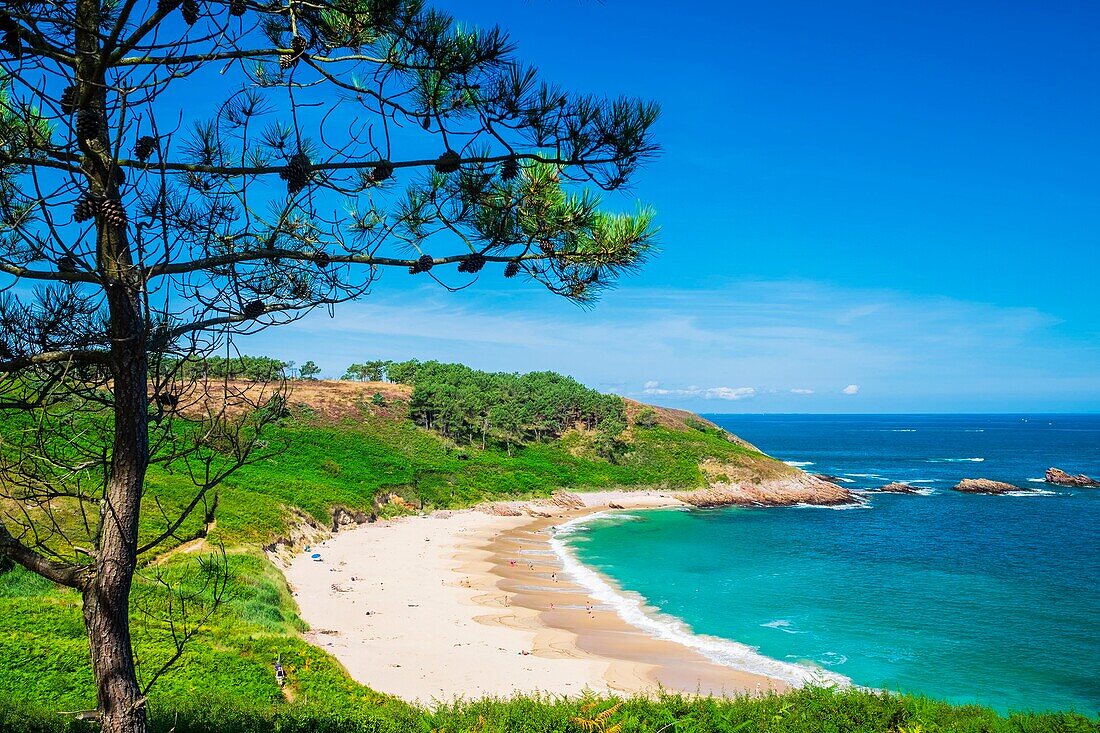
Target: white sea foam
{"x":902,"y":430}
{"x":782,"y":625}
{"x":831,"y":659}
{"x":1037,"y":480}
{"x":955,"y":460}
{"x":1031,"y":492}
{"x":866,"y":475}
{"x":631,"y":608}
{"x":845,"y":480}
{"x":799,"y":464}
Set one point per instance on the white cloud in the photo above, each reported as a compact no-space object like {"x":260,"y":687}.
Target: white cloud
{"x":711,"y":393}
{"x":729,"y":393}
{"x":851,"y":389}
{"x":799,"y":390}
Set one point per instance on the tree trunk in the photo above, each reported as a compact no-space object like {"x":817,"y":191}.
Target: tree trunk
{"x":107,"y":597}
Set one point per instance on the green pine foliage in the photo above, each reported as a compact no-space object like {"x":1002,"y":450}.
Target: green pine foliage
{"x":467,"y":405}
{"x":246,"y":368}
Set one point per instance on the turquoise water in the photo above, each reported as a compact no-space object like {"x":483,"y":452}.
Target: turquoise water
{"x":969,"y":598}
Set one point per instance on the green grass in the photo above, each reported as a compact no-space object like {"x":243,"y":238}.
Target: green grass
{"x":224,"y":681}
{"x":321,"y":466}
{"x":813,"y":710}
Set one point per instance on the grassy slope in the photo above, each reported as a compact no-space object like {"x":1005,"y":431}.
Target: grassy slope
{"x":341,"y":451}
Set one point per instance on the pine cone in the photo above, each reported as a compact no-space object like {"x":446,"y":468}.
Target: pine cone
{"x":298,"y":45}
{"x":87,"y":124}
{"x":511,"y":269}
{"x":68,"y":100}
{"x":166,"y":6}
{"x":382,"y":171}
{"x":167,"y":399}
{"x":13,"y":44}
{"x":509,"y":169}
{"x":120,"y":176}
{"x":85,"y":208}
{"x":472,"y":263}
{"x":254,"y":309}
{"x":190,"y":10}
{"x":236,"y":8}
{"x":448,"y":162}
{"x":424,"y":264}
{"x":287,"y":60}
{"x":297,"y":173}
{"x":113,"y":212}
{"x":146,"y":146}
{"x":322,"y":260}
{"x":66,"y":263}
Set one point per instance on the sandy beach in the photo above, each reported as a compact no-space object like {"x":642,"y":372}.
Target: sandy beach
{"x":467,"y":604}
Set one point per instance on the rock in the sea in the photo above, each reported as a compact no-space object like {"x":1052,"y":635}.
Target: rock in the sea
{"x":1060,"y":478}
{"x":984,"y":486}
{"x":899,"y":488}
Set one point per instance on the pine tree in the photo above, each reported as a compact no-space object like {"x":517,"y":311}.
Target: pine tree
{"x":127,"y":193}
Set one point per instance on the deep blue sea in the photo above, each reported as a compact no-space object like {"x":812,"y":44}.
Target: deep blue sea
{"x":990,"y":599}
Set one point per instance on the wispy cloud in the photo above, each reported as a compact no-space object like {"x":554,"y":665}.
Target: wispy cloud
{"x":654,"y":389}
{"x":773,"y":343}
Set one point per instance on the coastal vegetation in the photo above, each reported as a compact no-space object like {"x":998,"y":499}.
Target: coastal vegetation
{"x":335,"y":447}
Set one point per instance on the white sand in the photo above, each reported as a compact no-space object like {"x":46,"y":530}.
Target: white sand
{"x":429,"y":633}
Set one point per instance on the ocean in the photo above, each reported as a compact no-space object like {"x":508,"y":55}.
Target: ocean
{"x":988,"y":599}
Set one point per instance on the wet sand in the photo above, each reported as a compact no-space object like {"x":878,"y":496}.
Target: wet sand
{"x":468,"y":604}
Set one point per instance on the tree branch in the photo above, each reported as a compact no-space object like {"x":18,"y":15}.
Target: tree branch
{"x":73,"y":576}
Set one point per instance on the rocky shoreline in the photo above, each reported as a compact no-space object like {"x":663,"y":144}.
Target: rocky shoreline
{"x":773,"y":492}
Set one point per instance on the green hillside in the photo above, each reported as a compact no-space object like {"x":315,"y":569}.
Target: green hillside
{"x":357,"y":445}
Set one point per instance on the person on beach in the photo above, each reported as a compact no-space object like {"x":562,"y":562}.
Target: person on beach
{"x":280,"y":673}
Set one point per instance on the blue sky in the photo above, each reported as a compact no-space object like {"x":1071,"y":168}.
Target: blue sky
{"x":865,"y":207}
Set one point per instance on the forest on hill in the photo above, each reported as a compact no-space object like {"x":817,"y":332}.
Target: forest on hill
{"x":468,"y":405}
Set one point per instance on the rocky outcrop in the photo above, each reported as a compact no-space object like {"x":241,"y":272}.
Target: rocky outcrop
{"x":787,"y":490}
{"x":899,"y":488}
{"x":344,"y":517}
{"x":1058,"y":477}
{"x":501,"y":509}
{"x":984,"y":486}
